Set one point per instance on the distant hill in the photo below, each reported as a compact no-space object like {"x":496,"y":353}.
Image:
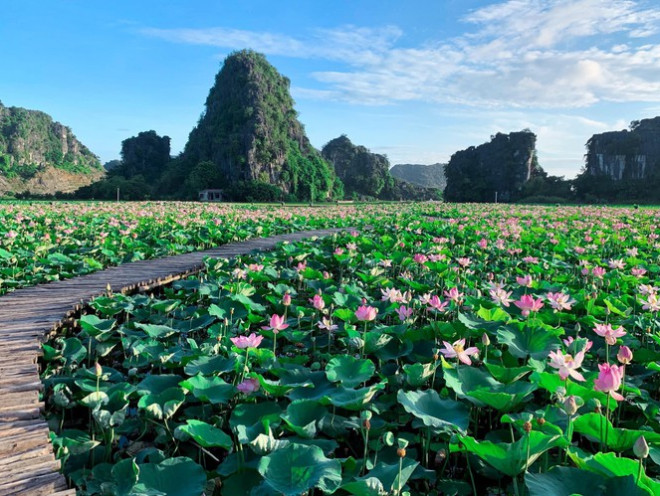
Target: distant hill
{"x":42,"y":156}
{"x":501,"y":167}
{"x":428,"y":176}
{"x":623,"y":166}
{"x":367,"y":175}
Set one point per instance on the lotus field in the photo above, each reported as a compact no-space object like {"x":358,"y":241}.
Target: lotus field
{"x":441,"y":349}
{"x":44,"y":242}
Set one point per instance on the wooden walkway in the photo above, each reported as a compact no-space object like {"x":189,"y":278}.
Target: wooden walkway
{"x":27,"y":316}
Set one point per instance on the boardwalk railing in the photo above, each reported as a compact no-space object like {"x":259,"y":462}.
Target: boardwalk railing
{"x":27,"y":316}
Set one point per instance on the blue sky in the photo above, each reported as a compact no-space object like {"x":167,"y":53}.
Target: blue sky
{"x":414,"y":79}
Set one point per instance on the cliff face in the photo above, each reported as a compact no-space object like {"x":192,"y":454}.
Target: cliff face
{"x":501,"y":166}
{"x":367,"y":174}
{"x":619,"y":155}
{"x":30,"y":140}
{"x":250,"y":131}
{"x":429,"y":176}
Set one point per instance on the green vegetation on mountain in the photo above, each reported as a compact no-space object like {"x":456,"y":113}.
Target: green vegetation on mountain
{"x":428,"y":176}
{"x":249,"y":133}
{"x":367,"y":175}
{"x":39,"y":153}
{"x":498,"y":169}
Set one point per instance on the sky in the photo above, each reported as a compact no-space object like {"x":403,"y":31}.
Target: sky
{"x":416,"y":80}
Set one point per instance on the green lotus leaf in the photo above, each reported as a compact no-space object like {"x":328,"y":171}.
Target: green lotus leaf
{"x":206,"y":435}
{"x":295,"y":469}
{"x":156,"y":331}
{"x":534,"y":342}
{"x":353,"y":399}
{"x":210,"y":365}
{"x":73,"y":351}
{"x":209,"y":389}
{"x":511,"y":458}
{"x":568,"y":481}
{"x":599,"y":428}
{"x":162,"y":405}
{"x":348,"y":370}
{"x":179,"y":476}
{"x":155,"y":383}
{"x":96,"y":327}
{"x":611,"y":465}
{"x":445,"y":415}
{"x":302,"y":416}
{"x":248,"y":420}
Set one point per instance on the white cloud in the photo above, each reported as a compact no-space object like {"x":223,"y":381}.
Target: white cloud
{"x":518,"y":53}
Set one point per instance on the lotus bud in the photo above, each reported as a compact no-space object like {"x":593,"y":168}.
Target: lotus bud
{"x":625,"y":355}
{"x":641,"y":448}
{"x":286,"y":299}
{"x":570,"y":406}
{"x":98,"y":370}
{"x":485,"y":339}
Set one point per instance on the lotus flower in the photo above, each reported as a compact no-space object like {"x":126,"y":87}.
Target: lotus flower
{"x":457,"y":349}
{"x":251,"y":341}
{"x":609,"y":380}
{"x":277,"y":324}
{"x":248,"y":385}
{"x":404,"y":313}
{"x":528,"y":304}
{"x":625,"y":355}
{"x":610,"y":334}
{"x":366,"y":313}
{"x":567,"y":365}
{"x":317,"y":302}
{"x":560,"y":301}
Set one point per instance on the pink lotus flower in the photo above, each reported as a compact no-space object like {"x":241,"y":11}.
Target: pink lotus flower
{"x":569,"y":341}
{"x":420,"y":258}
{"x":457,"y":350}
{"x":651,"y":303}
{"x":609,"y":380}
{"x":560,"y":301}
{"x":404,"y":313}
{"x":525,"y":281}
{"x":464,"y":262}
{"x":251,"y":341}
{"x":366,"y":313}
{"x":567,"y":365}
{"x":317,"y":302}
{"x":610,"y":334}
{"x":501,"y":297}
{"x":326,"y":323}
{"x":248,"y":386}
{"x":286,"y":299}
{"x":531,"y":260}
{"x":625,"y":355}
{"x":482,"y":243}
{"x":638,"y":271}
{"x":391,"y":294}
{"x":338,"y":251}
{"x":598,"y":272}
{"x":277,"y":324}
{"x":647,"y":289}
{"x":616,"y":264}
{"x":454,"y":295}
{"x":528,"y":304}
{"x":437,"y":304}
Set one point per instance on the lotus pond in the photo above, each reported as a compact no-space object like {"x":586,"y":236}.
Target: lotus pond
{"x":44,"y":241}
{"x":483,"y":350}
